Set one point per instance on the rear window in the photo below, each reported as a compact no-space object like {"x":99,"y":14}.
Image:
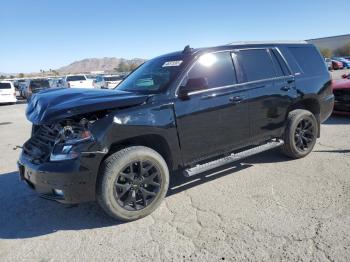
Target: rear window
{"x":5,"y":86}
{"x":34,"y":84}
{"x":308,"y":59}
{"x":113,"y":78}
{"x":76,"y":78}
{"x":257,"y":64}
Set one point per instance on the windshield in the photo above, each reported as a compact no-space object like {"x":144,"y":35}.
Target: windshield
{"x":75,"y":78}
{"x":154,"y":75}
{"x":34,"y":84}
{"x":113,"y":78}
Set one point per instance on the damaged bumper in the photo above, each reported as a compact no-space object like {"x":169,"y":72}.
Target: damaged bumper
{"x":70,"y":182}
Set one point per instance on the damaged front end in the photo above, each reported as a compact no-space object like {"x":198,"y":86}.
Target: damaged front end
{"x":61,"y":161}
{"x":56,"y":142}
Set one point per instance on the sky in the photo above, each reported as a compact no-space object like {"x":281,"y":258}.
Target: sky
{"x":44,"y":34}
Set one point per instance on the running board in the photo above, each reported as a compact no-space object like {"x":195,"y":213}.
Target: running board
{"x":232,"y":158}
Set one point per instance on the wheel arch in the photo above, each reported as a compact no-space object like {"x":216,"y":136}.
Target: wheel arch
{"x":311,"y":104}
{"x":153,"y":141}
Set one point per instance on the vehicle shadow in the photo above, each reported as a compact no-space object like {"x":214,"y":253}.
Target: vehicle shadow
{"x":337,"y":120}
{"x":337,"y":151}
{"x":24,"y":214}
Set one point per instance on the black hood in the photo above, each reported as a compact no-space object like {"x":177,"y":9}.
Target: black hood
{"x":52,"y":105}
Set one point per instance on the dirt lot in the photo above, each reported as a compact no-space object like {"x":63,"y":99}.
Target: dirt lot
{"x":267,"y":208}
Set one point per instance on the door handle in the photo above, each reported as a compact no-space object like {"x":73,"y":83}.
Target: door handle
{"x":285,"y":88}
{"x":236,"y":99}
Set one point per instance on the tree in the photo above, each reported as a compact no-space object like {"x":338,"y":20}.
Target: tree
{"x":326,"y":52}
{"x":344,"y":50}
{"x":11,"y":77}
{"x":133,"y":66}
{"x":123,"y":67}
{"x":20,"y":75}
{"x":2,"y":77}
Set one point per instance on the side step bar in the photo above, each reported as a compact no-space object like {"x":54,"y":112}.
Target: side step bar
{"x":232,"y":158}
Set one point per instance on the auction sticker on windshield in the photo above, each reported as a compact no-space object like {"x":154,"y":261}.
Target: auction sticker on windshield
{"x":172,"y":63}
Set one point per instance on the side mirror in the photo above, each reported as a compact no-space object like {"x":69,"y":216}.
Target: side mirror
{"x":344,"y":76}
{"x":192,"y":85}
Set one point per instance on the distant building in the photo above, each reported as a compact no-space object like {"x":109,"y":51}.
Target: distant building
{"x":331,"y":42}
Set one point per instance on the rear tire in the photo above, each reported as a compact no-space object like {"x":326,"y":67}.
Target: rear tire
{"x":133,"y":183}
{"x":300,"y":134}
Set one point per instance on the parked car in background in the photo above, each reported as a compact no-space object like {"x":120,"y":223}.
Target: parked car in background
{"x":337,"y":64}
{"x":77,"y":81}
{"x":107,"y":81}
{"x":341,"y":91}
{"x":34,"y":86}
{"x":113,"y":80}
{"x":7,"y":92}
{"x":344,"y":61}
{"x":100,"y":82}
{"x":328,"y":62}
{"x":57,"y":82}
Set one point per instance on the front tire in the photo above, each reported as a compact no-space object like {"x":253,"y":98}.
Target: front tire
{"x":300,"y":134}
{"x":133,"y":183}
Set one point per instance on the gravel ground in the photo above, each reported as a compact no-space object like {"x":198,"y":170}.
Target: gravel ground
{"x":267,"y":208}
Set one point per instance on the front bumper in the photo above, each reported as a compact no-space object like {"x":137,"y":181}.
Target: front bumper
{"x":76,"y":178}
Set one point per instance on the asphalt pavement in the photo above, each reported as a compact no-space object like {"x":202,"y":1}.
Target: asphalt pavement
{"x":266,"y":208}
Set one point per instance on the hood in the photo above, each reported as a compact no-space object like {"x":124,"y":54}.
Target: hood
{"x":55,"y":104}
{"x":341,"y":84}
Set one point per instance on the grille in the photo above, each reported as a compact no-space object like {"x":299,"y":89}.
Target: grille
{"x":342,"y":95}
{"x":39,"y":147}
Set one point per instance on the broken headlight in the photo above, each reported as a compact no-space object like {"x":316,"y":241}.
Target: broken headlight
{"x":71,"y":135}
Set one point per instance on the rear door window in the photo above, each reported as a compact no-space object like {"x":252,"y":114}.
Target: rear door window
{"x":308,"y":60}
{"x":256,"y":63}
{"x":5,"y":86}
{"x":280,"y":65}
{"x":76,"y":78}
{"x":216,"y":68}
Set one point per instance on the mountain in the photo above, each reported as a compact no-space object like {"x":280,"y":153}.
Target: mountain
{"x":99,"y":64}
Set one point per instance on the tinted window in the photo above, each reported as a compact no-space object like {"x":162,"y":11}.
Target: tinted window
{"x":308,"y":59}
{"x":76,"y":78}
{"x":5,"y":85}
{"x":280,"y":64}
{"x":216,"y":68}
{"x":34,"y":84}
{"x":113,"y":78}
{"x":256,"y":63}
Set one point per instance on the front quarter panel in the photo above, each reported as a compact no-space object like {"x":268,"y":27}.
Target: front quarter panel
{"x":146,"y":119}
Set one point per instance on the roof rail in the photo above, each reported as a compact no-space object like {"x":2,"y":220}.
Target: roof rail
{"x":268,"y":42}
{"x":187,"y":49}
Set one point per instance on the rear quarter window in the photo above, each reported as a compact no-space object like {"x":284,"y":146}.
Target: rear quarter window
{"x":308,"y":59}
{"x":5,"y":86}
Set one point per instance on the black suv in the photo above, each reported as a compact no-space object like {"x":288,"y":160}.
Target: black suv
{"x":191,"y":111}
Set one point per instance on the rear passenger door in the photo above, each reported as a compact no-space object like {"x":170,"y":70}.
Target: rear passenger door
{"x":271,"y":85}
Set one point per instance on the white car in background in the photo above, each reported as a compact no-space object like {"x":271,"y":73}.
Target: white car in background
{"x":7,"y":92}
{"x":107,"y":81}
{"x":112,"y":80}
{"x":78,"y":81}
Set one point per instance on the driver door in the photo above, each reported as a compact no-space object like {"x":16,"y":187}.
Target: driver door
{"x":215,"y":120}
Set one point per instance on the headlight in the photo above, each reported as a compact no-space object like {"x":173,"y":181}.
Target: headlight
{"x":71,"y":135}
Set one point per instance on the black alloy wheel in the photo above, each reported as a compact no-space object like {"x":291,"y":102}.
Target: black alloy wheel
{"x":304,"y":134}
{"x":137,"y":185}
